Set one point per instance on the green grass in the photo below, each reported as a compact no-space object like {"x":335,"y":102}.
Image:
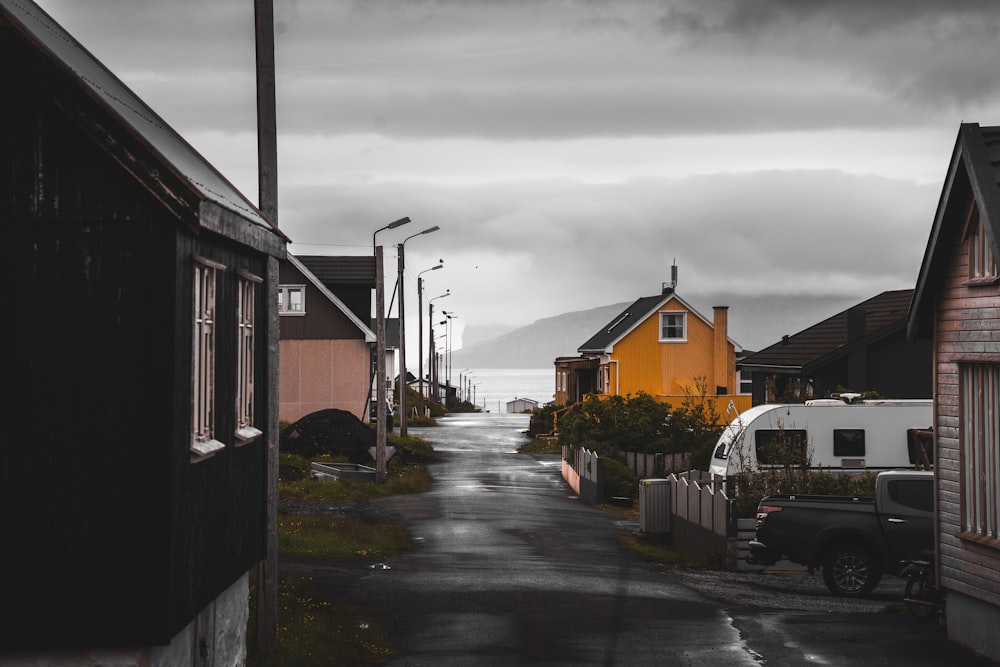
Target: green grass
{"x":541,"y":446}
{"x":399,"y":479}
{"x":315,"y":632}
{"x":651,"y":549}
{"x":337,"y":538}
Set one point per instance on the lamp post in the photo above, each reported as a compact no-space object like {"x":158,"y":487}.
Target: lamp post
{"x":461,"y":383}
{"x":380,"y":415}
{"x":392,"y":225}
{"x":447,"y":349}
{"x":420,"y":341}
{"x":443,"y":360}
{"x":431,"y":361}
{"x":402,"y":332}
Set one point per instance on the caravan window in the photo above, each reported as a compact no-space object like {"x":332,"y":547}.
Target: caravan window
{"x":781,"y":446}
{"x":848,"y":442}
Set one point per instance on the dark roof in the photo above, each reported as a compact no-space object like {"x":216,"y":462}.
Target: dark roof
{"x":139,"y":120}
{"x":342,"y":270}
{"x":622,"y":323}
{"x":974,"y":171}
{"x":884,"y":314}
{"x":331,"y":297}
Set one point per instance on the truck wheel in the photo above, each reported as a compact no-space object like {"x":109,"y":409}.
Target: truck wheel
{"x":851,"y":571}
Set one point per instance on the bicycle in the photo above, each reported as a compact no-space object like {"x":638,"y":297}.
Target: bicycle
{"x":922,"y":598}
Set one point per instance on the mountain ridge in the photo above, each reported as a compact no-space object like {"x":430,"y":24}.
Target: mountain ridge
{"x":755,"y":322}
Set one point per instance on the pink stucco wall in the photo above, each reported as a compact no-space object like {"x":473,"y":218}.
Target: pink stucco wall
{"x":320,"y":374}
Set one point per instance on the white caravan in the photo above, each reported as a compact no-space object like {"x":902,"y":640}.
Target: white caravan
{"x":838,"y":434}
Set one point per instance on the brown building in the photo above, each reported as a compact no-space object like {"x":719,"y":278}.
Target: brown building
{"x":956,"y":304}
{"x":325,"y":346}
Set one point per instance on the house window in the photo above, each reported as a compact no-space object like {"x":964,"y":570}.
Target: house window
{"x":292,"y":300}
{"x":673,"y":326}
{"x":246,"y":287}
{"x":203,"y":442}
{"x":982,"y":264}
{"x":979,"y":435}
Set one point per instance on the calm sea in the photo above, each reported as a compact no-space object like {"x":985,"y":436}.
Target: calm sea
{"x":495,"y":386}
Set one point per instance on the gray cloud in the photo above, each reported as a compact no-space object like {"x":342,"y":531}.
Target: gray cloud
{"x":775,"y":233}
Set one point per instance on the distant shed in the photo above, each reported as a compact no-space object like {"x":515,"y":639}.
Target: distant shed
{"x":521,"y":405}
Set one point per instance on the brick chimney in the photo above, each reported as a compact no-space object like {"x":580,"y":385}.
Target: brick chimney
{"x":723,"y":368}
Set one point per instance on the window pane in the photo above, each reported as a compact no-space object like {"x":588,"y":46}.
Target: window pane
{"x":848,"y":442}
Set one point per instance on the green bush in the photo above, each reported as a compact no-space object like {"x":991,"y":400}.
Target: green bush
{"x":619,"y":481}
{"x":748,"y":489}
{"x":615,"y":423}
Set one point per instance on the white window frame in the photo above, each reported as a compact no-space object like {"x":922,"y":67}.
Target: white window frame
{"x":285,"y":301}
{"x":203,"y":442}
{"x":979,"y":451}
{"x":668,"y":314}
{"x":246,"y":306}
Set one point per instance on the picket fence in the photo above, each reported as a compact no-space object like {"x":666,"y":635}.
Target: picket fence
{"x":691,"y":507}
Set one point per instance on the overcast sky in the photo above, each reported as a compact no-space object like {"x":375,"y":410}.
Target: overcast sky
{"x":571,"y":151}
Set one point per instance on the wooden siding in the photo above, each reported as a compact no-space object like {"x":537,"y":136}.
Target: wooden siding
{"x":321,"y":374}
{"x":967,"y":329}
{"x":101,"y":507}
{"x":663,"y":369}
{"x":322,"y":319}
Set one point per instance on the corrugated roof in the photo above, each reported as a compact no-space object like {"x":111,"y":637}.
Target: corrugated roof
{"x":108,"y":90}
{"x":884,"y":313}
{"x":341,"y":270}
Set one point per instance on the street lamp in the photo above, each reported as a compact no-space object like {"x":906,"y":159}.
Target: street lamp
{"x":380,"y":435}
{"x":402,"y":332}
{"x":442,"y":360}
{"x":430,"y":357}
{"x":461,"y":382}
{"x":420,"y":321}
{"x":392,"y":225}
{"x":447,"y":351}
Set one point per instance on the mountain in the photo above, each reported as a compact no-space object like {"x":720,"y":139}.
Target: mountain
{"x":755,"y":322}
{"x":537,"y":344}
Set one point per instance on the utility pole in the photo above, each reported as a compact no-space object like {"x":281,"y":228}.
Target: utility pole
{"x":402,"y":343}
{"x":380,"y":435}
{"x":267,"y":175}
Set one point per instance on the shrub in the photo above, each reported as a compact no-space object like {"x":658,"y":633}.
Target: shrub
{"x":615,"y":423}
{"x":619,"y":480}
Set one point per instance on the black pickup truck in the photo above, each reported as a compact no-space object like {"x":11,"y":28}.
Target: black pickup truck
{"x":854,"y":540}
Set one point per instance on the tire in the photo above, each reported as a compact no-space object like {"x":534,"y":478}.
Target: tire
{"x":851,"y":571}
{"x":916,"y":598}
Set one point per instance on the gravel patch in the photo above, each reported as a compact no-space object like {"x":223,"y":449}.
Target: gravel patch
{"x":785,"y":590}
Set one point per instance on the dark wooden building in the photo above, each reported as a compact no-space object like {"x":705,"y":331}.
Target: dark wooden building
{"x":141,"y":359}
{"x":863,"y":348}
{"x":956,"y":307}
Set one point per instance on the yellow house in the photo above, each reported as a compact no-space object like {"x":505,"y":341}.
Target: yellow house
{"x":660,"y":345}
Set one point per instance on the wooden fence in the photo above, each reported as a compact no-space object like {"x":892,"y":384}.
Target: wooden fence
{"x":654,"y":465}
{"x":583,"y":470}
{"x":692,"y":507}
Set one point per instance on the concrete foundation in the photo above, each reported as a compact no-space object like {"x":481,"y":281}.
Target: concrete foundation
{"x":216,"y":638}
{"x":973,"y":623}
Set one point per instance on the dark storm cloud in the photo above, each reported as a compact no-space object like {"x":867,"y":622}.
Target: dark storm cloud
{"x":922,"y":52}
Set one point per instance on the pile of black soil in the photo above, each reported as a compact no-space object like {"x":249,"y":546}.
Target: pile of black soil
{"x":334,"y":432}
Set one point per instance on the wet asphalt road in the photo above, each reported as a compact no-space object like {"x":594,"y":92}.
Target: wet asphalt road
{"x":509,"y":569}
